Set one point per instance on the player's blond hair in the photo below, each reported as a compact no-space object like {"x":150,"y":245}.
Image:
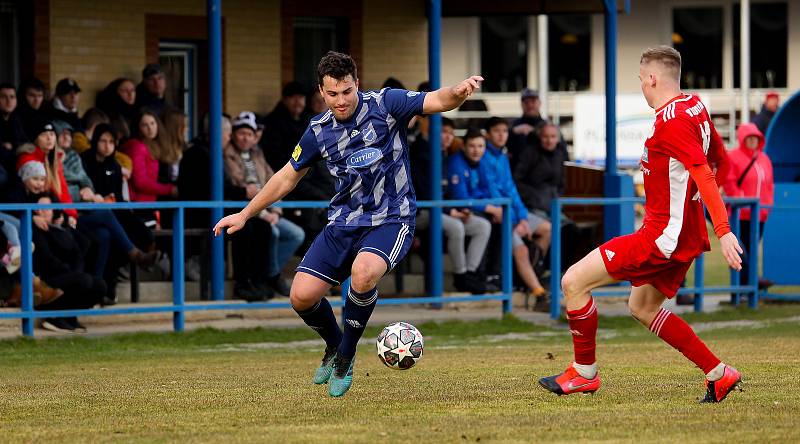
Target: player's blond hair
{"x":667,"y":56}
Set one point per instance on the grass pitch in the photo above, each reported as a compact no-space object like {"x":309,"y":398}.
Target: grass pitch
{"x":476,"y":383}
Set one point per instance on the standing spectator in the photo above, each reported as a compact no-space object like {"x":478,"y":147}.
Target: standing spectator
{"x":12,"y":134}
{"x":284,"y":126}
{"x":523,"y":127}
{"x":118,"y":101}
{"x":246,"y":172}
{"x":458,"y":223}
{"x":150,"y":93}
{"x":64,"y":105}
{"x":750,"y":175}
{"x":31,"y":96}
{"x":768,"y":110}
{"x":145,"y":149}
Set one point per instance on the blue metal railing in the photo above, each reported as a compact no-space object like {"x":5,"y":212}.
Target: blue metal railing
{"x":28,"y":314}
{"x":698,"y":289}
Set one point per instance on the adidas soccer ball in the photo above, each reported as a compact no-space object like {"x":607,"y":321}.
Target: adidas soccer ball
{"x":400,"y":346}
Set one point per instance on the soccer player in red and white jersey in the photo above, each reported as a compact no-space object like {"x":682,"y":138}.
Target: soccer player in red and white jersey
{"x":655,"y":259}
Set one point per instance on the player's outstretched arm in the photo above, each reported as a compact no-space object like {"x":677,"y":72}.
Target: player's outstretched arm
{"x":278,"y":186}
{"x":450,"y":97}
{"x":709,"y":191}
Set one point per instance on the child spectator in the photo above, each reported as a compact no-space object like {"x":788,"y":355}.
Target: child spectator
{"x":59,"y":260}
{"x":91,"y":118}
{"x":79,"y":184}
{"x":246,"y":171}
{"x":458,"y":223}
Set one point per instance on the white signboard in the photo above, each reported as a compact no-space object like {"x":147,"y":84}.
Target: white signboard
{"x":634,"y":122}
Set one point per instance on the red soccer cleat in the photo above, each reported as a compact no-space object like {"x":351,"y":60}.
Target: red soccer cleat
{"x":717,"y":390}
{"x":570,"y":382}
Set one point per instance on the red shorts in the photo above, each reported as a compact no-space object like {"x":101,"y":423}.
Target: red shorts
{"x":633,"y":258}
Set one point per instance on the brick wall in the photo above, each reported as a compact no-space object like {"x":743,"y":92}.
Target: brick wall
{"x":395,"y":43}
{"x":97,"y":41}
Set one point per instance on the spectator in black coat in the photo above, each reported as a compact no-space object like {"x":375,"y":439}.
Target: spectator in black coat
{"x":151,"y":92}
{"x":118,"y":101}
{"x":12,"y":134}
{"x":284,"y":126}
{"x":64,"y":105}
{"x":31,"y":96}
{"x":59,"y":261}
{"x":768,"y":110}
{"x":539,"y":169}
{"x":523,"y":128}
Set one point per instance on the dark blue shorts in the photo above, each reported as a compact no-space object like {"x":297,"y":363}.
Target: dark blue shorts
{"x":331,"y":255}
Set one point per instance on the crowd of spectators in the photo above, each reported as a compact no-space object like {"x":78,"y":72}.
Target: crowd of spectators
{"x":133,"y":146}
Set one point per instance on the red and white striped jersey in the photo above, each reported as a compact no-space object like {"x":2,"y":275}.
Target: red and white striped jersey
{"x":682,"y":137}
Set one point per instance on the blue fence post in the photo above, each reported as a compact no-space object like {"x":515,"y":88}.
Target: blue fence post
{"x":26,"y":273}
{"x":214,"y":14}
{"x":735,"y":281}
{"x":178,"y":280}
{"x":434,"y":140}
{"x":555,"y":260}
{"x":699,"y":277}
{"x":506,"y":258}
{"x":752,"y":258}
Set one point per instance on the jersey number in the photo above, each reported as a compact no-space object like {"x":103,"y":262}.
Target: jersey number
{"x":705,"y":132}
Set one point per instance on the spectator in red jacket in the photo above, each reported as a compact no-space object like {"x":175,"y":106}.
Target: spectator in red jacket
{"x":750,"y":175}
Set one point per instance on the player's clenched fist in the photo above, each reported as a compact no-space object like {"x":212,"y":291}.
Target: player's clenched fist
{"x":233,"y":223}
{"x":468,"y":86}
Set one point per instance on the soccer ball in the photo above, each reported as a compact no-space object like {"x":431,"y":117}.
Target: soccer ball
{"x":400,"y":346}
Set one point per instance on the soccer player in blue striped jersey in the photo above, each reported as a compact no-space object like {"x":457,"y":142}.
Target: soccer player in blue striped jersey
{"x":362,"y":139}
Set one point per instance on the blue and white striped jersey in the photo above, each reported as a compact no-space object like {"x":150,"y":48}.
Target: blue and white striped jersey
{"x":368,"y":155}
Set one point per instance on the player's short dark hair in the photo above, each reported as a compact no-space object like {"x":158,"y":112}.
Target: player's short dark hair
{"x":448,"y":122}
{"x":494,"y":121}
{"x":337,"y":66}
{"x":473,"y":133}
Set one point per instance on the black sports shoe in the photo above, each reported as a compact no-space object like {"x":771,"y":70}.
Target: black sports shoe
{"x":76,"y":325}
{"x":57,"y":325}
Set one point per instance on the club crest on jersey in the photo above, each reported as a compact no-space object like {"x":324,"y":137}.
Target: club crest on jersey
{"x":370,"y":135}
{"x":353,"y":133}
{"x":364,"y":158}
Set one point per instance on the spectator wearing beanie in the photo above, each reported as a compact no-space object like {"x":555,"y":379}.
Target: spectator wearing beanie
{"x":150,"y":93}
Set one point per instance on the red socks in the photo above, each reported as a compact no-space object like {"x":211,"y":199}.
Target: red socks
{"x":583,"y":326}
{"x":677,"y":333}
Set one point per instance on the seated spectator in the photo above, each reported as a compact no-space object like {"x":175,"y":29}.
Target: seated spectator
{"x":768,"y":110}
{"x":12,"y":135}
{"x":750,"y":175}
{"x":91,"y":118}
{"x":472,"y":175}
{"x":284,"y":126}
{"x":315,"y":105}
{"x":246,"y":171}
{"x":80,"y":186}
{"x":539,"y":170}
{"x":31,"y":95}
{"x":539,"y":225}
{"x":59,"y":260}
{"x":458,"y":223}
{"x":522,"y":128}
{"x":176,"y":127}
{"x":64,"y":105}
{"x":118,"y":101}
{"x":151,"y":91}
{"x":145,"y":149}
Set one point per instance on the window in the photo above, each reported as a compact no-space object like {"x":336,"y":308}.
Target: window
{"x":697,"y":34}
{"x":179,"y":62}
{"x":569,"y":49}
{"x":504,"y":53}
{"x":313,"y":37}
{"x":768,"y":45}
{"x":9,"y":68}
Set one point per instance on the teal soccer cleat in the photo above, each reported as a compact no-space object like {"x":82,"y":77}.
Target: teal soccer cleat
{"x":342,"y":376}
{"x":325,"y":369}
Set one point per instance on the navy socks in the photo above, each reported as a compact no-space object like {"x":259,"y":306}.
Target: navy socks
{"x":321,"y":319}
{"x":357,"y":311}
